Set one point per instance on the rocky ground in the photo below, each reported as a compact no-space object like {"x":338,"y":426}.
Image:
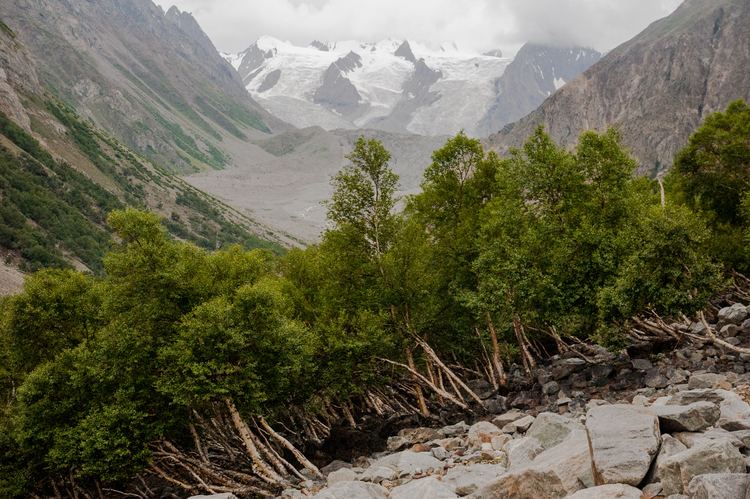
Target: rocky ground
{"x":639,"y":425}
{"x":11,"y":279}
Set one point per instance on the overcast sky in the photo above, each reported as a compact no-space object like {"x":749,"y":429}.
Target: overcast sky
{"x":473,"y":24}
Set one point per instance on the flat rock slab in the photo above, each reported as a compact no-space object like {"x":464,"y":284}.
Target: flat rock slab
{"x":424,"y":488}
{"x":611,"y":491}
{"x":550,"y":429}
{"x":342,"y":475}
{"x":407,"y":463}
{"x":692,"y":417}
{"x":349,"y":490}
{"x":708,"y":457}
{"x":526,"y":484}
{"x":624,"y":440}
{"x":465,"y":480}
{"x":719,"y":486}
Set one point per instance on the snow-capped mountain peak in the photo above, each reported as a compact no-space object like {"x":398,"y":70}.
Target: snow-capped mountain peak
{"x":394,"y":85}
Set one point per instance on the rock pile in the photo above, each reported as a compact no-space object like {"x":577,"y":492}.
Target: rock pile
{"x":669,"y":426}
{"x":690,"y":443}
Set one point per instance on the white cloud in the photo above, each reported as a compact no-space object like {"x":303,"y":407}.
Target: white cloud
{"x":472,"y":24}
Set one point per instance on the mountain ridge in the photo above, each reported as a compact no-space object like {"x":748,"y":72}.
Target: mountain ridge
{"x":684,"y":66}
{"x":399,"y":85}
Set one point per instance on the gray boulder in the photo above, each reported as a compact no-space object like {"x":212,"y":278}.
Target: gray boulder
{"x":735,"y":412}
{"x":611,"y":491}
{"x":408,"y":463}
{"x":719,"y":486}
{"x":342,"y":475}
{"x":549,"y":429}
{"x":624,"y":440}
{"x":734,"y":314}
{"x":465,"y":480}
{"x":224,"y":495}
{"x":693,"y":417}
{"x":348,"y":490}
{"x":706,"y":380}
{"x":556,"y":472}
{"x":707,"y":457}
{"x":482,"y":432}
{"x":424,"y":488}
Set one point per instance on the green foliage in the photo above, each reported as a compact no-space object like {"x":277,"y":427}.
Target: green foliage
{"x":363,"y":197}
{"x":93,"y":369}
{"x":714,"y":168}
{"x":47,"y":208}
{"x":572,"y":241}
{"x":643,"y":280}
{"x":712,"y":174}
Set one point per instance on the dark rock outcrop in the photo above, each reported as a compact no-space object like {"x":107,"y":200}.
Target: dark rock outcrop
{"x":336,"y":91}
{"x":536,"y":73}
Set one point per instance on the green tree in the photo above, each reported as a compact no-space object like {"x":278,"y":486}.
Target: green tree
{"x":364,"y":196}
{"x":712,"y":174}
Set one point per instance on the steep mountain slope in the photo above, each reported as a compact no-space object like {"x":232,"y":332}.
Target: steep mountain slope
{"x":536,"y":72}
{"x":657,"y":87}
{"x":60,"y":176}
{"x":399,"y":86}
{"x":152,"y":79}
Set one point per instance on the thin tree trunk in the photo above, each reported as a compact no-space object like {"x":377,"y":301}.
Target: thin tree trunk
{"x":427,"y":382}
{"x":528,"y":359}
{"x":291,"y":448}
{"x":496,"y":358}
{"x":431,"y":353}
{"x":265,"y":472}
{"x":417,"y":389}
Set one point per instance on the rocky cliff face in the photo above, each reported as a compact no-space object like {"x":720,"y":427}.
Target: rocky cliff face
{"x":536,"y":72}
{"x":657,"y":87}
{"x":154,"y":79}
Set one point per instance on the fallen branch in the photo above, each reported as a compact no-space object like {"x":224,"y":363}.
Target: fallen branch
{"x":427,"y":382}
